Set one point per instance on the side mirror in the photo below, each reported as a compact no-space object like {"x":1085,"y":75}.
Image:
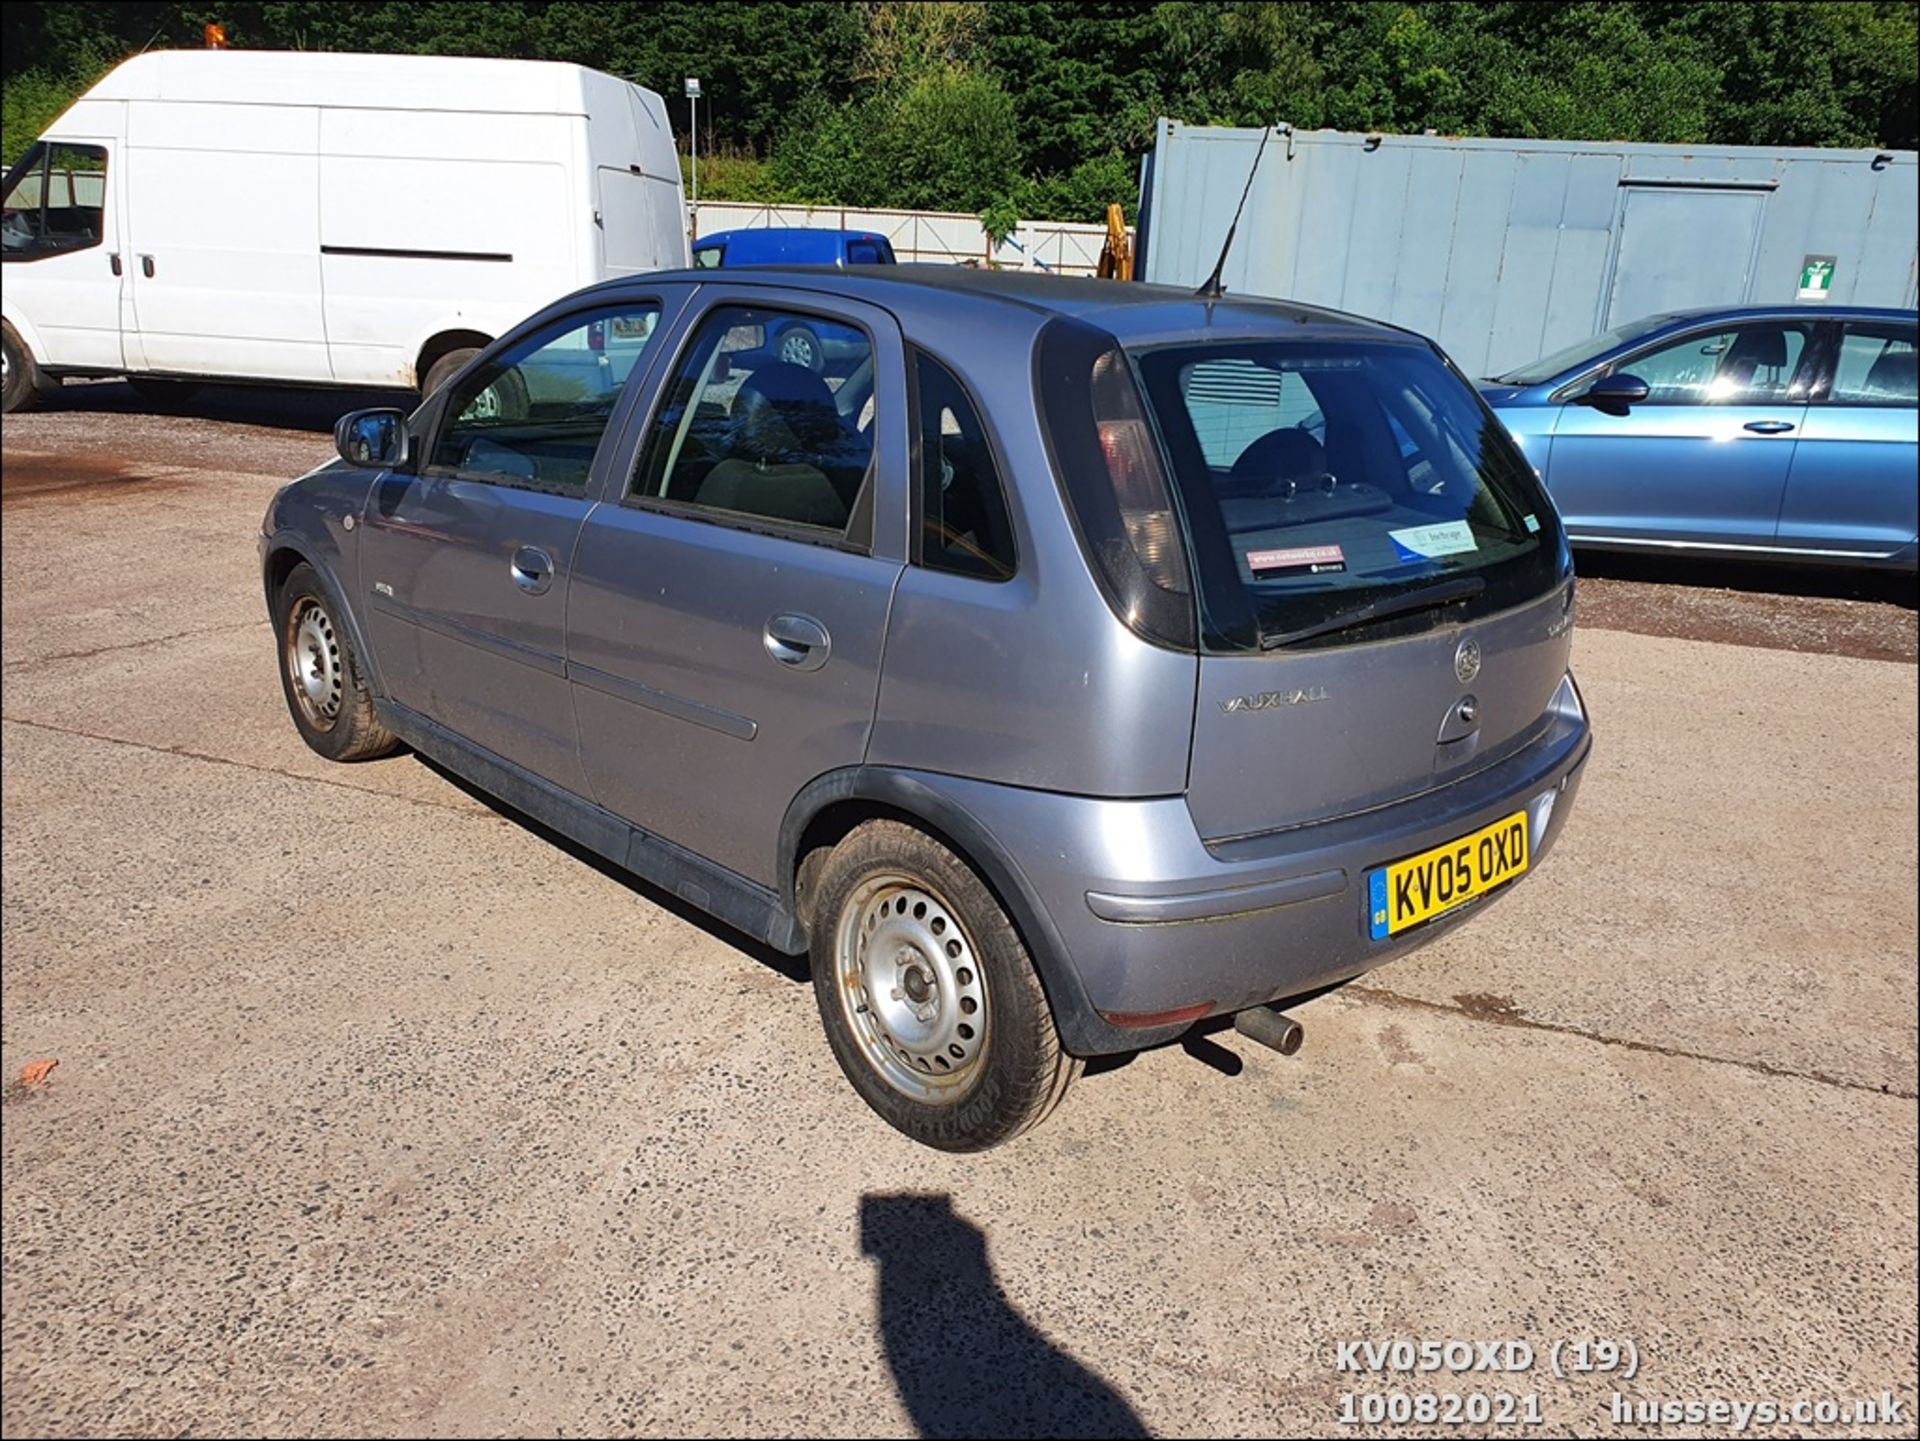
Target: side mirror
{"x":374,"y":439}
{"x":1614,"y":394}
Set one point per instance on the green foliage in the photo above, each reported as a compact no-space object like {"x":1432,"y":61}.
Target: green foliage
{"x":1041,"y":109}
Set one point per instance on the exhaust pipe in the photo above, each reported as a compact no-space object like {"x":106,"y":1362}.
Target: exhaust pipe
{"x":1272,"y":1029}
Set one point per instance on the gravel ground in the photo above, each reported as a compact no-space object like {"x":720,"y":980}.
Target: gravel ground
{"x":378,"y":1112}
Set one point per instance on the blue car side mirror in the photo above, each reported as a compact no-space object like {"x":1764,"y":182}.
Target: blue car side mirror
{"x":1614,"y":394}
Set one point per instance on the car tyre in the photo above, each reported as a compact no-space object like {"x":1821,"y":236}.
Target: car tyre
{"x":320,"y":675}
{"x":799,"y":345}
{"x":445,"y":368}
{"x":929,"y":998}
{"x":21,"y":383}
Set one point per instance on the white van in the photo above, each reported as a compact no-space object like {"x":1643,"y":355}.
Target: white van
{"x":323,"y":219}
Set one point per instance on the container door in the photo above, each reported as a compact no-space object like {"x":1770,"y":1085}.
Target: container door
{"x":1683,"y":248}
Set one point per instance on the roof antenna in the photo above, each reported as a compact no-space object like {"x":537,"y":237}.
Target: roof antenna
{"x":1213,"y":290}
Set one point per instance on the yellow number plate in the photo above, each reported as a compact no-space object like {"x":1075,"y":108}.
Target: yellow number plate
{"x":1434,"y":882}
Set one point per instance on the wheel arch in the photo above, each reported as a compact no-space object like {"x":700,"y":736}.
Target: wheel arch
{"x":443,"y":342}
{"x":832,"y":805}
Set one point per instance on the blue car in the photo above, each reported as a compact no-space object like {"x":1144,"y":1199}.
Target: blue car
{"x":1758,"y":433}
{"x":816,"y":348}
{"x":791,"y":245}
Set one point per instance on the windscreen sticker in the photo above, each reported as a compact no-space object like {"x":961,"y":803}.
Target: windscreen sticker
{"x":1428,"y":542}
{"x":1533,"y":524}
{"x":1312,"y":558}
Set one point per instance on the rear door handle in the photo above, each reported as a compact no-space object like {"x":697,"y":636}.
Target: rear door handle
{"x":146,"y":266}
{"x":1770,"y":427}
{"x":532,"y":569}
{"x":799,"y":641}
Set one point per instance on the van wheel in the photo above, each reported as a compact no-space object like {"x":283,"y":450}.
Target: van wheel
{"x":20,"y":382}
{"x":798,"y":345}
{"x":445,"y":368}
{"x":162,"y":391}
{"x":930,"y":1001}
{"x":326,"y":694}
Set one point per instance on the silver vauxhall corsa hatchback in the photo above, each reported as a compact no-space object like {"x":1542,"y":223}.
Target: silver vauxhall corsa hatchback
{"x":1057,"y":663}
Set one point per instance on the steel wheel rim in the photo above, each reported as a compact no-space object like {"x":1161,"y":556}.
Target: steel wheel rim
{"x":313,"y":663}
{"x":796,"y":349}
{"x":911,"y":988}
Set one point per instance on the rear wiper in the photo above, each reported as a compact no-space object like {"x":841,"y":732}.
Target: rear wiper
{"x":1445,"y":593}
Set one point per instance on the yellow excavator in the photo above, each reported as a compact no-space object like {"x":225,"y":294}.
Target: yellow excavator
{"x":1116,"y":256}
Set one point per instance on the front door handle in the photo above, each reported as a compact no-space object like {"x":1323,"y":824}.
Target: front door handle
{"x":799,"y":641}
{"x":532,"y":569}
{"x":1770,"y":427}
{"x":146,"y":266}
{"x":114,"y":261}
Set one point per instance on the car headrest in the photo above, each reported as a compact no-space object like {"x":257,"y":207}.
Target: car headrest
{"x":784,"y":412}
{"x":1894,"y":374}
{"x":1757,"y":349}
{"x":1289,"y":454}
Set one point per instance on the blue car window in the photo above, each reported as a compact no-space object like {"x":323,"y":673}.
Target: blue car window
{"x":1875,"y":366}
{"x":533,"y":414}
{"x":1741,"y":365}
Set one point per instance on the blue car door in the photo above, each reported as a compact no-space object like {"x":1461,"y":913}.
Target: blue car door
{"x":1704,"y":459}
{"x":1851,"y":492}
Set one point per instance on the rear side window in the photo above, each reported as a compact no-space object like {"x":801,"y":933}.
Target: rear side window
{"x":1875,"y":366}
{"x":963,"y":510}
{"x":56,"y":201}
{"x":768,"y":417}
{"x":710,"y":258}
{"x":1321,"y":481}
{"x":533,"y":415}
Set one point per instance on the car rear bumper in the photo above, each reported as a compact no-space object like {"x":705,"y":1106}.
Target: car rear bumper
{"x":1160,"y":928}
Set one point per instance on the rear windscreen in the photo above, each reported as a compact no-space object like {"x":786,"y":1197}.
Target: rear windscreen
{"x":1317,"y":477}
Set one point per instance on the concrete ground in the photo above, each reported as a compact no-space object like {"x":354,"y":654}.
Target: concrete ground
{"x":379,"y":1112}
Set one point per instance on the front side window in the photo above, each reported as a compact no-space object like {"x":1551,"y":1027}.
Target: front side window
{"x":55,"y":201}
{"x":963,"y":511}
{"x":533,"y":415}
{"x":1744,"y":365}
{"x":1875,"y":365}
{"x":746,"y":431}
{"x":1324,"y":484}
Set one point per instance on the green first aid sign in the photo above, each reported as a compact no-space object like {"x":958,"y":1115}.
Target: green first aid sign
{"x":1816,"y":277}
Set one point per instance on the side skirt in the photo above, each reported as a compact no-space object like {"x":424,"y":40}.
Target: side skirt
{"x":730,"y":897}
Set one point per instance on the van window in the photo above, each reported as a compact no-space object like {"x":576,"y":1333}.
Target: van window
{"x":862,"y":252}
{"x":963,"y":511}
{"x":55,"y":201}
{"x":533,"y":415}
{"x":743,"y":430}
{"x":711,"y":258}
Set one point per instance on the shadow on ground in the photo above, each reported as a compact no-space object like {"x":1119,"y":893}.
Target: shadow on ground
{"x":965,"y":1361}
{"x":276,"y":407}
{"x":1756,"y":578}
